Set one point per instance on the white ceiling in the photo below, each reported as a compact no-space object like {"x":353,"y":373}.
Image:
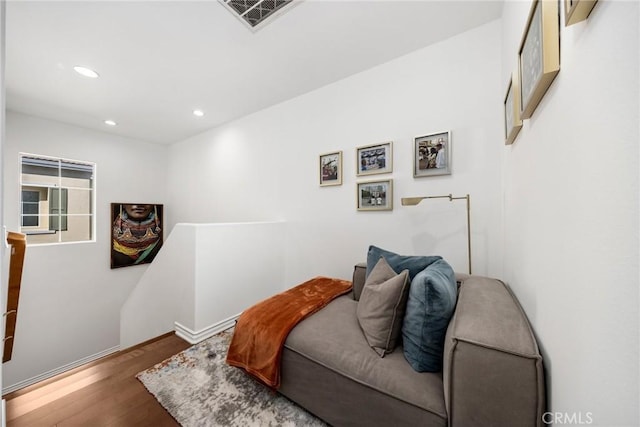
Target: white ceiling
{"x":159,"y":60}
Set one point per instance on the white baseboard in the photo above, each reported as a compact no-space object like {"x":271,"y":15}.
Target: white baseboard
{"x":194,"y":337}
{"x":60,"y":370}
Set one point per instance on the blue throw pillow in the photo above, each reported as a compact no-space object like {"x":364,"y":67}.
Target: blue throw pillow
{"x":432,"y":300}
{"x":415,"y":264}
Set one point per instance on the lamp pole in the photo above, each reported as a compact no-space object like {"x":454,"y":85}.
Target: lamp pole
{"x":412,"y":201}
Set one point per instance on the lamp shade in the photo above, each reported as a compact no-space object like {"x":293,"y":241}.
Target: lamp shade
{"x":411,"y":201}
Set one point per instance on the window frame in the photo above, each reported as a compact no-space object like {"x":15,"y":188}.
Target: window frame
{"x":48,"y":188}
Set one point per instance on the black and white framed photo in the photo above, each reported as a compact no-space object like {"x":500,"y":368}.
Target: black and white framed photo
{"x":432,"y":154}
{"x":375,"y":195}
{"x":374,"y":159}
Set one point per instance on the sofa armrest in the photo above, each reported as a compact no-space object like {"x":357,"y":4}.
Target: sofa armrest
{"x":359,"y":277}
{"x":493,"y":373}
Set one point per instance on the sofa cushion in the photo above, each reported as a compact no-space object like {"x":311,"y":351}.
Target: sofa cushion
{"x":381,"y":307}
{"x":431,"y":302}
{"x":332,"y":338}
{"x":414,"y":264}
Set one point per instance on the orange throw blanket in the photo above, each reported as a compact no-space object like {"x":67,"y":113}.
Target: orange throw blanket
{"x":261,"y":330}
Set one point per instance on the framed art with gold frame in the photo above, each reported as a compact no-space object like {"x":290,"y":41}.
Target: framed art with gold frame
{"x":331,"y":169}
{"x":512,"y":120}
{"x":539,"y":55}
{"x":577,"y":10}
{"x":375,"y":195}
{"x":374,"y":159}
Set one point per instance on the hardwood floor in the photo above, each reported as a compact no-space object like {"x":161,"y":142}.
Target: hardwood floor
{"x":102,"y":393}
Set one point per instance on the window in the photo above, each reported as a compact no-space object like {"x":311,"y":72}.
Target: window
{"x":30,"y":200}
{"x":57,"y":199}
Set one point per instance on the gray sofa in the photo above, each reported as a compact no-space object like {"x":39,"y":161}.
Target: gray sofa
{"x":492,"y":370}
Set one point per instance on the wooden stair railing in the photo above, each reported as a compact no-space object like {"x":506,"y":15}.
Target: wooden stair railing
{"x":18,"y":242}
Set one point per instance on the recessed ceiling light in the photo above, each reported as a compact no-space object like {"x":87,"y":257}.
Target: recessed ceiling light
{"x":110,"y":122}
{"x":87,"y":72}
{"x":198,"y":113}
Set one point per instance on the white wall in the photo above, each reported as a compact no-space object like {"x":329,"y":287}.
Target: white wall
{"x":165,"y":293}
{"x":70,"y":298}
{"x":571,"y":213}
{"x":203,"y":278}
{"x":237,"y":265}
{"x":265,"y":166}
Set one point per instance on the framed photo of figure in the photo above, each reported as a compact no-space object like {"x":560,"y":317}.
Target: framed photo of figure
{"x":374,"y":159}
{"x":375,"y":195}
{"x":432,"y":154}
{"x":331,"y":169}
{"x":136,"y":233}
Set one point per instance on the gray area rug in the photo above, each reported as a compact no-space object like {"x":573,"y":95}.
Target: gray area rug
{"x":199,"y":389}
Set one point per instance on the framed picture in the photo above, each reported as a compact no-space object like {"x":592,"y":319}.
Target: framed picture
{"x":374,"y":159}
{"x":577,"y":10}
{"x":136,"y":233}
{"x":432,"y":154}
{"x":331,"y":169}
{"x":375,"y":195}
{"x":539,"y":55}
{"x":512,"y":120}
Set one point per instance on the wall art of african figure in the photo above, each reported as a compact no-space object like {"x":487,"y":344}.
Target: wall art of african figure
{"x":136,"y":233}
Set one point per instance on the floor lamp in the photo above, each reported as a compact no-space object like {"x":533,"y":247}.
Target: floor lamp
{"x":412,"y":201}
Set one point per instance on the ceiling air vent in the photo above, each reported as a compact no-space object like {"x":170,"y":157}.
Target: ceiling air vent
{"x":256,"y":13}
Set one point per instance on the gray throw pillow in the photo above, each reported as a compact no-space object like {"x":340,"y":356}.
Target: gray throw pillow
{"x":381,"y":307}
{"x":432,"y":300}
